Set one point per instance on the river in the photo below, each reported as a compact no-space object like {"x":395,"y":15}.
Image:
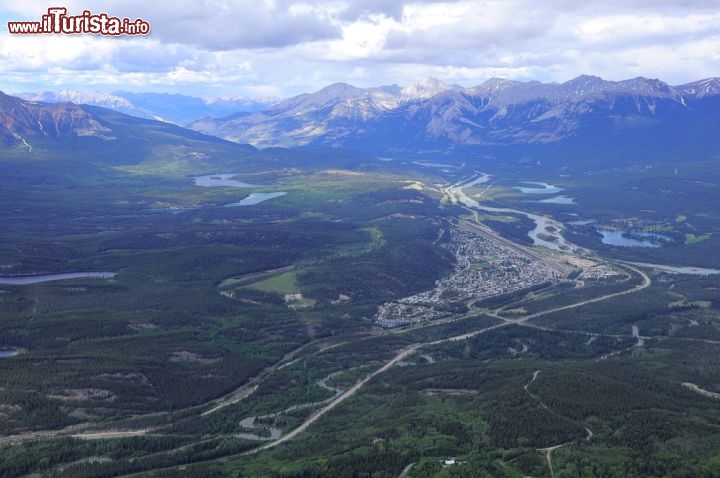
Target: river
{"x":551,"y":240}
{"x":541,"y":222}
{"x":538,"y":188}
{"x":36,"y":279}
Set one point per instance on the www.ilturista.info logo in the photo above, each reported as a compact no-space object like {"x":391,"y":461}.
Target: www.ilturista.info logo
{"x":58,"y":21}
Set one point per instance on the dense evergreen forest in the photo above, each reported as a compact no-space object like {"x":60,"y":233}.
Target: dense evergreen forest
{"x":227,"y":325}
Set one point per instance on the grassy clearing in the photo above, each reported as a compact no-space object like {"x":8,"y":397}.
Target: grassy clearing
{"x":479,"y":265}
{"x":378,"y":239}
{"x":492,"y":193}
{"x":702,"y":304}
{"x":693,"y":239}
{"x":659,"y":228}
{"x":281,"y":284}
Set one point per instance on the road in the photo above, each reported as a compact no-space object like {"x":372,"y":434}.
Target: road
{"x":406,"y":470}
{"x":404,"y":354}
{"x":360,"y":383}
{"x":534,"y":397}
{"x":548,"y":455}
{"x":111,"y":434}
{"x":347,"y":394}
{"x":527,"y":251}
{"x":547,"y":259}
{"x":410,"y":350}
{"x":76,"y":431}
{"x":645,"y":283}
{"x":250,"y":387}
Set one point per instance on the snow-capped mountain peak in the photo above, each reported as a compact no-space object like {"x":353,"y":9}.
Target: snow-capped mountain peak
{"x":426,"y":88}
{"x":434,"y":114}
{"x":701,"y":88}
{"x":106,"y":100}
{"x":585,"y":85}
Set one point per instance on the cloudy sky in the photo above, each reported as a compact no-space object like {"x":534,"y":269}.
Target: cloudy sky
{"x":286,"y":47}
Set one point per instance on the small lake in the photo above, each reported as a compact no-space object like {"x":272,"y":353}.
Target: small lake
{"x":36,"y":279}
{"x":256,"y":198}
{"x":7,"y":353}
{"x":213,"y":180}
{"x":621,"y":239}
{"x":538,"y":188}
{"x":558,"y":200}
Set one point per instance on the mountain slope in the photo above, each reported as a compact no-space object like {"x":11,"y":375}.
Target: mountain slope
{"x":21,"y":121}
{"x":90,"y":134}
{"x":434,"y":115}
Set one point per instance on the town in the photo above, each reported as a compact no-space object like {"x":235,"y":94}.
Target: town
{"x":486,"y":266}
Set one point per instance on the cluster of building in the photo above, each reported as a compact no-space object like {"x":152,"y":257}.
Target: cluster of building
{"x":485,"y":268}
{"x":594,"y":271}
{"x":407,"y":311}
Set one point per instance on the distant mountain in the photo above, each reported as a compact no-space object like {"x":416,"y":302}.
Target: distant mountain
{"x":432,"y":115}
{"x":90,"y":134}
{"x":172,"y":108}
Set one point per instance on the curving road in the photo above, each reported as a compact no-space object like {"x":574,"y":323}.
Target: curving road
{"x":645,"y":284}
{"x":250,"y":387}
{"x":347,"y":394}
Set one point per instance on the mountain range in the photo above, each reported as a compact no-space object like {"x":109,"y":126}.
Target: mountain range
{"x":434,"y":116}
{"x":427,"y":117}
{"x":172,"y":108}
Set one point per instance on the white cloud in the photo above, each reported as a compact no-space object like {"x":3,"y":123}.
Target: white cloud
{"x":287,"y":47}
{"x":632,"y":29}
{"x":35,"y":52}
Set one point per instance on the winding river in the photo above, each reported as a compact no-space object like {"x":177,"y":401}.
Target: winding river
{"x":540,"y":235}
{"x":557,"y":242}
{"x":538,"y":188}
